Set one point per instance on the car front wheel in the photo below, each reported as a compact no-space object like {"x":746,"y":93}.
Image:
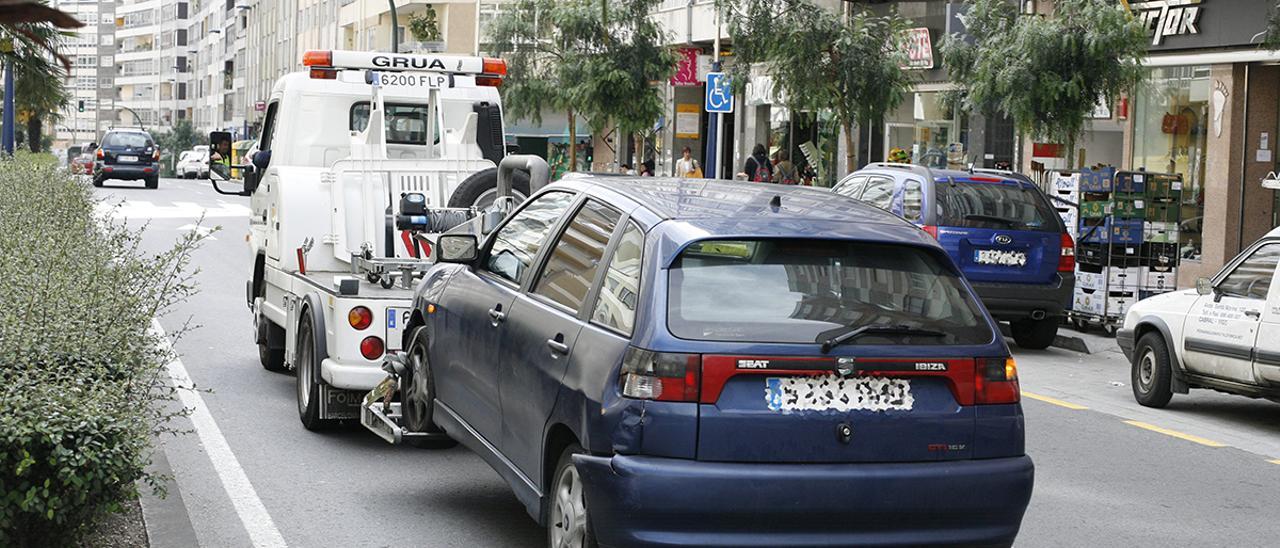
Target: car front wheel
{"x":418,"y":393}
{"x":1151,"y":371}
{"x":568,"y":525}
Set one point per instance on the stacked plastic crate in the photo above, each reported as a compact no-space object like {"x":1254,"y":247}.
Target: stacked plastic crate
{"x":1109,"y":255}
{"x":1160,"y":233}
{"x":1065,"y":187}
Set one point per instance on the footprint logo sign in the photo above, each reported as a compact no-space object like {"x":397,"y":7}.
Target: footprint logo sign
{"x":1218,"y":102}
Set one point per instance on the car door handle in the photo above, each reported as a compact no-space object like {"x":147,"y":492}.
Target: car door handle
{"x":1255,"y":314}
{"x":497,"y":315}
{"x":558,"y":346}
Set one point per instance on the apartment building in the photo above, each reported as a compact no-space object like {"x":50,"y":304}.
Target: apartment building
{"x":150,"y":62}
{"x":92,"y":68}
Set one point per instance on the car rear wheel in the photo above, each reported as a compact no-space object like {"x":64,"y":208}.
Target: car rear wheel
{"x":1034,"y":334}
{"x":417,"y":398}
{"x":1151,"y":372}
{"x":97,"y":181}
{"x":568,"y":525}
{"x":153,"y":183}
{"x":308,"y":378}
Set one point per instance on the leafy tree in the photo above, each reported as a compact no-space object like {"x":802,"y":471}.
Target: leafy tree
{"x":1271,"y":40}
{"x":424,"y":25}
{"x":39,"y":92}
{"x":819,"y":59}
{"x":588,"y":58}
{"x":182,"y":136}
{"x":1046,"y":73}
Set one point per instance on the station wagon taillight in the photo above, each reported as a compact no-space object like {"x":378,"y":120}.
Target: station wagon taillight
{"x":932,"y":230}
{"x":1067,"y":259}
{"x":660,"y":376}
{"x":996,"y":381}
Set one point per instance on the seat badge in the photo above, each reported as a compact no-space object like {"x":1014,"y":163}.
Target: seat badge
{"x":846,"y":367}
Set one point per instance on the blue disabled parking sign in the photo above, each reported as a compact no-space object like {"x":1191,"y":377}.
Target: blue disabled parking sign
{"x":719,"y":96}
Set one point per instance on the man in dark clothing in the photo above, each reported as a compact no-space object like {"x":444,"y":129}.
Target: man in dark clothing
{"x":758,"y":169}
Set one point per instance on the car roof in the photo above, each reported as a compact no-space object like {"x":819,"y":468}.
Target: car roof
{"x":944,"y":175}
{"x":689,"y":199}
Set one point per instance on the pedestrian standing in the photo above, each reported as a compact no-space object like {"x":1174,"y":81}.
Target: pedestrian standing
{"x":757,"y":168}
{"x":785,"y":172}
{"x":686,"y":166}
{"x":646,"y":169}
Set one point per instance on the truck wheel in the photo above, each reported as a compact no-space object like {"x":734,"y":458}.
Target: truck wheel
{"x":1034,"y":334}
{"x":481,"y":189}
{"x":417,"y":399}
{"x":308,"y":377}
{"x":568,"y":523}
{"x":1151,"y":372}
{"x":271,"y":351}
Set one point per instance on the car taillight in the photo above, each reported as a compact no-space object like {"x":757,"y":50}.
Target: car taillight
{"x":99,"y":153}
{"x":932,"y":230}
{"x":649,"y":375}
{"x":156,"y":155}
{"x":360,"y":317}
{"x":996,"y":381}
{"x":372,"y":348}
{"x":1067,"y":260}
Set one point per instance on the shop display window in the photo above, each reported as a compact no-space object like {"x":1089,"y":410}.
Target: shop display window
{"x":1172,"y":113}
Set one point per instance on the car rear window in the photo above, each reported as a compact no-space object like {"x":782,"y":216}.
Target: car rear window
{"x":135,"y":140}
{"x":406,"y":124}
{"x":804,"y":291}
{"x":992,"y":205}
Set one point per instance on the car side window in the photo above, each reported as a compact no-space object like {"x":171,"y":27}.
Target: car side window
{"x":879,"y":192}
{"x":572,"y":267}
{"x":1251,"y":279}
{"x":518,"y":242}
{"x":620,"y":291}
{"x":851,"y":188}
{"x":912,"y":200}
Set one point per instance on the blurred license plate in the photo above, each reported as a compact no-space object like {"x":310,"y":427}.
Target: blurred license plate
{"x":128,"y":158}
{"x":835,"y":393}
{"x":999,"y":257}
{"x":397,"y":318}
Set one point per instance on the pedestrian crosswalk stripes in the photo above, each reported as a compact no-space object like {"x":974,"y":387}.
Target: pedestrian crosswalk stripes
{"x":139,"y":209}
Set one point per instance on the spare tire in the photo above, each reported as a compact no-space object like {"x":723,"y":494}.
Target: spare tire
{"x":481,"y":188}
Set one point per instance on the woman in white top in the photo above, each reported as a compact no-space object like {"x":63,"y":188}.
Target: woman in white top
{"x":686,"y":166}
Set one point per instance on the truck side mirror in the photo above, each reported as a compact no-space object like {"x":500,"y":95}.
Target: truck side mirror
{"x":220,"y":163}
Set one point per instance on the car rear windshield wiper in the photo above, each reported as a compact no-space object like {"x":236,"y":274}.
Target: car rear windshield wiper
{"x":980,"y":217}
{"x":852,"y":334}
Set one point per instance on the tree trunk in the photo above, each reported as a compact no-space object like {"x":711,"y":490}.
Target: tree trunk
{"x":1071,"y":154}
{"x":573,"y":142}
{"x":850,"y":153}
{"x":34,"y":129}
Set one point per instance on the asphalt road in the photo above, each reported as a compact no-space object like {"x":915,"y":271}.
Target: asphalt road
{"x":1203,"y":472}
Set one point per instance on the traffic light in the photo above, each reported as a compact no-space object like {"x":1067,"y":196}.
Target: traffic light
{"x":81,"y":105}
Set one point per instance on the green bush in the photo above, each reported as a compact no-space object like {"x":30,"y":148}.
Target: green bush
{"x":82,"y":375}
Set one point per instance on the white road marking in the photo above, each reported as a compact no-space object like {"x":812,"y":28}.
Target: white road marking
{"x":200,"y":230}
{"x":132,"y":209}
{"x":253,"y":515}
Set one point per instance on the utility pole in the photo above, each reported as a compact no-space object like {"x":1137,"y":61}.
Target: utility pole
{"x":716,"y":122}
{"x":6,"y":135}
{"x":395,"y":28}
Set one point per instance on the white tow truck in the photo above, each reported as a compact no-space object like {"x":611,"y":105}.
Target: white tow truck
{"x":362,"y":160}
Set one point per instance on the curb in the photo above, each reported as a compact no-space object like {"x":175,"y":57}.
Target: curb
{"x":166,"y":519}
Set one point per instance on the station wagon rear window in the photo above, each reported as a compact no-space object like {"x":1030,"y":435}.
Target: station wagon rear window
{"x":123,"y":139}
{"x":406,"y":124}
{"x":805,"y":291}
{"x":992,"y":205}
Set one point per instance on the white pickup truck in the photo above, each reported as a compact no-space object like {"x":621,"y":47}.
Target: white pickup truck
{"x":361,"y":160}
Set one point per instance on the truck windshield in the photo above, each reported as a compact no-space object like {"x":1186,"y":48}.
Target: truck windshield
{"x":802,"y":291}
{"x":406,"y":123}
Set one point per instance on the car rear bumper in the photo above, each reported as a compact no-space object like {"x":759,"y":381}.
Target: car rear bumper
{"x":651,"y":501}
{"x":127,"y":171}
{"x":1007,"y":301}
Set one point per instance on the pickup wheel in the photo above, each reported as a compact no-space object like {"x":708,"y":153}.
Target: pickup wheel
{"x":308,"y":375}
{"x":417,"y":401}
{"x":568,"y":523}
{"x":481,"y":189}
{"x":1152,"y":371}
{"x":1034,"y":334}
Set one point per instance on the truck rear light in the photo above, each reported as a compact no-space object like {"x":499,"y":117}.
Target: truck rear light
{"x":372,"y":348}
{"x":494,"y":66}
{"x":996,"y":381}
{"x":316,"y":58}
{"x":360,"y":318}
{"x":660,"y":376}
{"x":324,"y":74}
{"x":488,"y":81}
{"x":1067,"y":259}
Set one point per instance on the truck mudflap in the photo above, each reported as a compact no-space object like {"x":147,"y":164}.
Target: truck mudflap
{"x":380,"y":415}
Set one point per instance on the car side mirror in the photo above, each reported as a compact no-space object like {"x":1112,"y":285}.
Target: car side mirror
{"x":1204,"y":286}
{"x":457,"y":248}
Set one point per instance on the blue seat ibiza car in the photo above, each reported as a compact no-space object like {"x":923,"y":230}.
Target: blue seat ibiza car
{"x":1000,"y":229}
{"x":653,"y":362}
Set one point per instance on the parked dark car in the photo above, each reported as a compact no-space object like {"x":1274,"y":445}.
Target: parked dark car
{"x":999,"y":227}
{"x":129,"y":155}
{"x":656,"y":362}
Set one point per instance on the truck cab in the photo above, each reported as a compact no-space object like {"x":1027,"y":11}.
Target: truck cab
{"x":361,"y":159}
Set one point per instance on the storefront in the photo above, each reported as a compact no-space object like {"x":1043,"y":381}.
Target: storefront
{"x":1208,"y":112}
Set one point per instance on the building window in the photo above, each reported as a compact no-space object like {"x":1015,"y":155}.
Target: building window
{"x":928,"y":132}
{"x":1171,"y":124}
